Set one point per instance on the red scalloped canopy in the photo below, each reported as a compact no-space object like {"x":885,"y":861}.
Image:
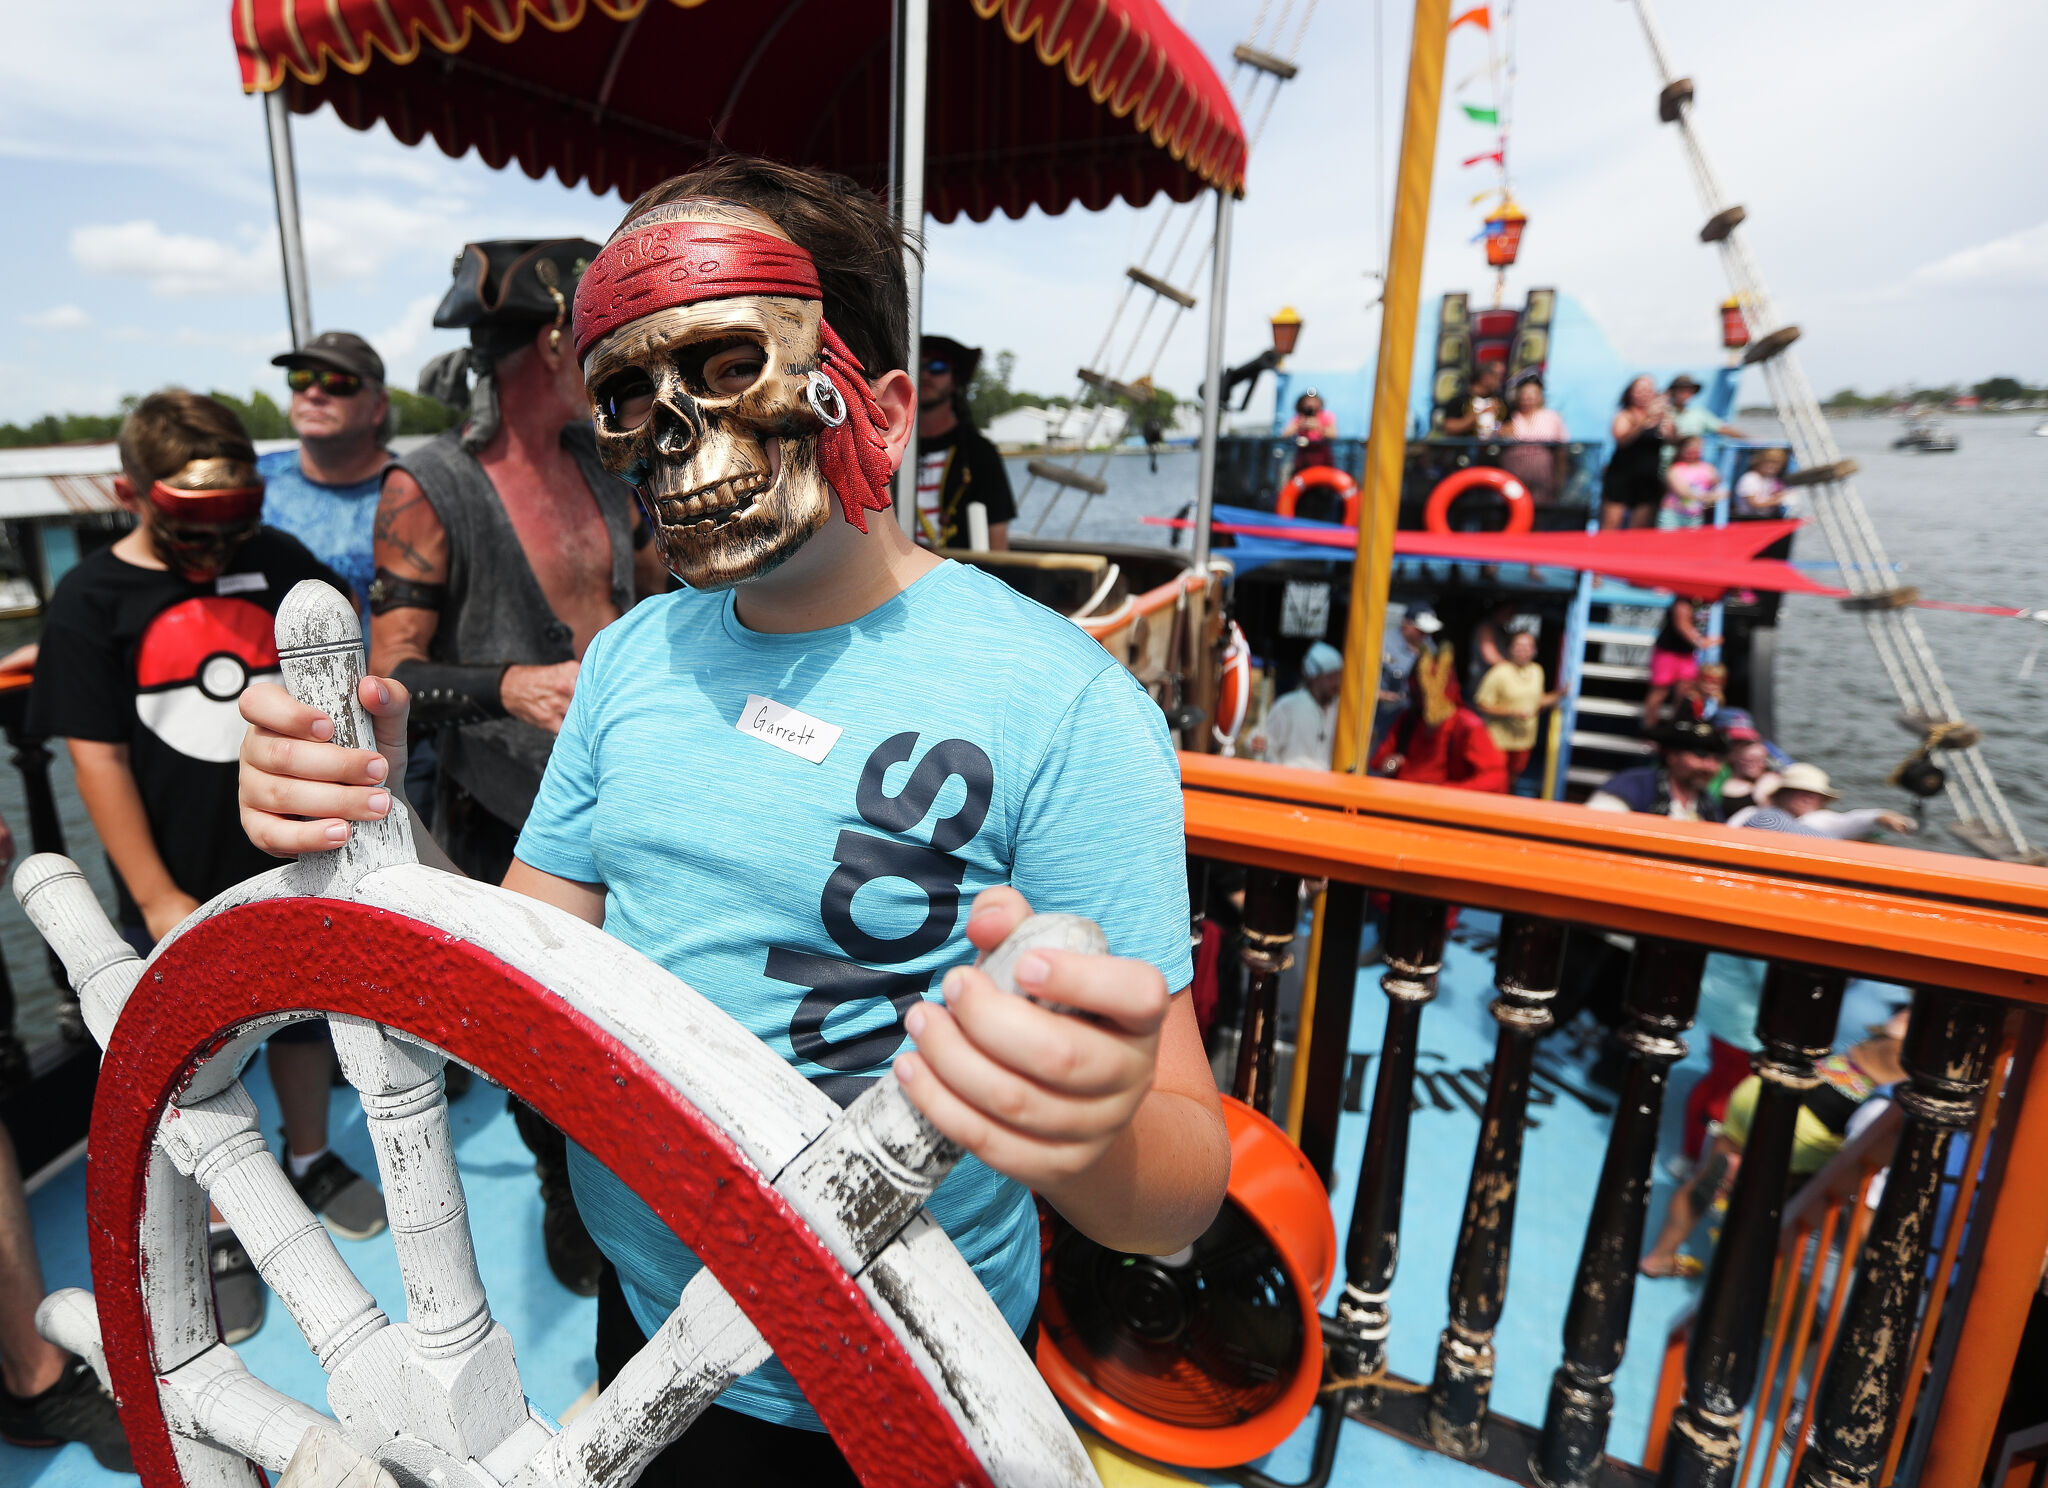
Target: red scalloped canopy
{"x":1032,"y":102}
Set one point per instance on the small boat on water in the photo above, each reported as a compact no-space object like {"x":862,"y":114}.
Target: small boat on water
{"x":2041,"y":429}
{"x":1930,"y":438}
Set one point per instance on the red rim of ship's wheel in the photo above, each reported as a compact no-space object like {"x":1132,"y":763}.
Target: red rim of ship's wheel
{"x":325,"y":956}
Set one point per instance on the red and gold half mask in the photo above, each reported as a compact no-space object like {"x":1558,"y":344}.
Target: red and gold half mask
{"x":721,"y":393}
{"x":203,"y":512}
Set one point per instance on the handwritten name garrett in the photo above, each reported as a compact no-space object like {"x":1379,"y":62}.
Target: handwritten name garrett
{"x":798,"y":737}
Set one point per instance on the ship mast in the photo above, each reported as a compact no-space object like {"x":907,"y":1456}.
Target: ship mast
{"x":1387,"y":440}
{"x":1983,"y":819}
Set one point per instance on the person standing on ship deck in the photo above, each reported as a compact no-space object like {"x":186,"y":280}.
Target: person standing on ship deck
{"x":1691,"y":419}
{"x":955,"y":462}
{"x":324,"y":493}
{"x":1510,"y":698}
{"x":706,"y":846}
{"x":1301,"y":730}
{"x":1632,"y":488}
{"x":1688,"y":758}
{"x":146,"y":645}
{"x":502,"y":547}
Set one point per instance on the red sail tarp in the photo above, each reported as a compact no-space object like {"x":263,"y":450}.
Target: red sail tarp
{"x":1032,"y":102}
{"x":1703,"y":561}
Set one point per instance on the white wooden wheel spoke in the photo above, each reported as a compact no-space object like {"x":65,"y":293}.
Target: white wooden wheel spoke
{"x":215,"y":1398}
{"x":216,"y":1142}
{"x":705,"y":1345}
{"x":406,"y":1108}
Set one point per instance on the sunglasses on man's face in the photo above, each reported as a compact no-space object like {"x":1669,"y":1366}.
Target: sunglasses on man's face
{"x":938,"y":366}
{"x":334,"y":384}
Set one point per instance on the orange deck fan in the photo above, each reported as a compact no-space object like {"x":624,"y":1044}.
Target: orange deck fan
{"x":1212,"y":1356}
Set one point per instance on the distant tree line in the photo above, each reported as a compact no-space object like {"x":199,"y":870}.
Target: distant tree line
{"x":990,"y":395}
{"x":259,"y":414}
{"x":1991,"y":390}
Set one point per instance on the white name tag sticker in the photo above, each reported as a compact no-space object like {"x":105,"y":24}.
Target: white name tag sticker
{"x":787,"y":729}
{"x":248,"y":583}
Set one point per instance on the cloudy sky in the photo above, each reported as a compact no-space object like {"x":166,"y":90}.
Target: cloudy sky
{"x":1889,"y":153}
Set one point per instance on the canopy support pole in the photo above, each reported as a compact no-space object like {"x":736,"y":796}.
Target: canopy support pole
{"x":1212,"y":382}
{"x":284,"y":180}
{"x":1387,"y":441}
{"x":913,"y":43}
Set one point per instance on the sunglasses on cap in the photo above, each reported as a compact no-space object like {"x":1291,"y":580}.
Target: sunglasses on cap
{"x":937,"y":366}
{"x":331,"y":381}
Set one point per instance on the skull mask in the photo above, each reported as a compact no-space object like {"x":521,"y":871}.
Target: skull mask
{"x":716,"y":410}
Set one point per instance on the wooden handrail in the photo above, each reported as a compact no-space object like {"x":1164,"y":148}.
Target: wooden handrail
{"x":1890,"y":913}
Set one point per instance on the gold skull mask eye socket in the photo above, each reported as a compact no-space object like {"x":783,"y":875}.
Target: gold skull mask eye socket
{"x":724,"y":367}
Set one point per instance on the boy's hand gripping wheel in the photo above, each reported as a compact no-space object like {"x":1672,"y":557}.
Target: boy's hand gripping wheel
{"x":808,"y":1218}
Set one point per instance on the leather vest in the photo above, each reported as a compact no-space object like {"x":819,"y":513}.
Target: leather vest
{"x":496,"y":613}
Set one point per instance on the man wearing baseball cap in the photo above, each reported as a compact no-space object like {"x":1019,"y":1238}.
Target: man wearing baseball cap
{"x":324,"y":493}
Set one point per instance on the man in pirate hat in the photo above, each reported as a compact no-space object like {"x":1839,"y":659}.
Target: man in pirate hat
{"x":501,"y":548}
{"x":955,"y":464}
{"x":1689,"y":754}
{"x":825,"y":774}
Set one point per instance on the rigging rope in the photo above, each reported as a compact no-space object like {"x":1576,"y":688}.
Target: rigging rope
{"x":1244,"y":86}
{"x":1895,"y":633}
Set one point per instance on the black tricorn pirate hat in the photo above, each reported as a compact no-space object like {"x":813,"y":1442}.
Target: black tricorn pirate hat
{"x":515,"y":282}
{"x":966,"y":360}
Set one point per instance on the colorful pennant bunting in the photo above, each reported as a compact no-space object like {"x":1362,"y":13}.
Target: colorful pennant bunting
{"x":1480,"y":115}
{"x":1478,"y":16}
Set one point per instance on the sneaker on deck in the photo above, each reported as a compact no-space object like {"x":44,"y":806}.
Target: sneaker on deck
{"x":340,"y":1196}
{"x":75,"y":1409}
{"x":239,"y":1299}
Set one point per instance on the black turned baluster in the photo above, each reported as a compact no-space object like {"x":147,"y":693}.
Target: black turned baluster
{"x":1415,"y":954}
{"x":1663,"y":993}
{"x":1527,"y":972}
{"x":1272,"y":906}
{"x":1329,"y":1041}
{"x":1947,"y":1058}
{"x":1796,"y":1024}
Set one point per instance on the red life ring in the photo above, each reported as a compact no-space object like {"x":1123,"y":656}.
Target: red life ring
{"x":1521,"y":505}
{"x":1320,"y":475}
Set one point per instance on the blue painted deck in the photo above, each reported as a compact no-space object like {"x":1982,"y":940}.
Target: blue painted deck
{"x":1561,"y":1163}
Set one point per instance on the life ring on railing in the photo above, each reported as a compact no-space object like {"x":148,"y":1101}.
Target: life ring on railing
{"x":1319,"y":475}
{"x":1233,"y":690}
{"x":1521,"y":505}
{"x":809,"y":1220}
{"x":1121,"y":1339}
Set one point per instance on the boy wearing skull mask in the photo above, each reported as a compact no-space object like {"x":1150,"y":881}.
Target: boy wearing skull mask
{"x":787,"y":782}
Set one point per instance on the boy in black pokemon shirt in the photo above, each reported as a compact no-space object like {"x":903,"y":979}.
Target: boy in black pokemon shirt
{"x":146,"y":648}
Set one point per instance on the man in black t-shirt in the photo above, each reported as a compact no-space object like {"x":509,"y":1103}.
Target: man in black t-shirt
{"x":955,"y":464}
{"x":146,"y":648}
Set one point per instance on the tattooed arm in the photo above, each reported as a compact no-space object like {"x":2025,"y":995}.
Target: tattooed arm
{"x":411,"y":545}
{"x":411,"y":555}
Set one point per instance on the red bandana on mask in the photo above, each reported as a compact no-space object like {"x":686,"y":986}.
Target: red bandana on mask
{"x":671,"y":264}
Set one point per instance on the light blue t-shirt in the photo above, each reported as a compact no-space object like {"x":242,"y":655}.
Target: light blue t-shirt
{"x":334,"y":522}
{"x":986,"y":740}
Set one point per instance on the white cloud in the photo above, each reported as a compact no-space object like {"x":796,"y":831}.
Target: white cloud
{"x":57,"y":318}
{"x":173,"y":264}
{"x":2017,"y":261}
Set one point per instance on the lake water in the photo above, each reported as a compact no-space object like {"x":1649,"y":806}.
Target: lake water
{"x":1971,"y":526}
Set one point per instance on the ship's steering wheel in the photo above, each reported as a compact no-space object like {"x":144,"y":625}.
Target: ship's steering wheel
{"x":809,"y":1219}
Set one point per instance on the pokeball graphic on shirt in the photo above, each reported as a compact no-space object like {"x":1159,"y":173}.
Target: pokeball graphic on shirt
{"x":194,"y":662}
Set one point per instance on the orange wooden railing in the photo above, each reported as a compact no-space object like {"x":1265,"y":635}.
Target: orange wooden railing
{"x":1898,"y":915}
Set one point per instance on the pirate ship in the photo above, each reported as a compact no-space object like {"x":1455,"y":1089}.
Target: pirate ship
{"x":1831,"y":1342}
